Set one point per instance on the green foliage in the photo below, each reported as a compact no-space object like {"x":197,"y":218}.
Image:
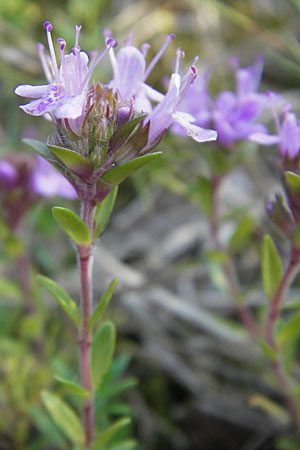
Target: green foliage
{"x":102,"y":351}
{"x":271,"y":266}
{"x":72,"y":387}
{"x":293,"y":181}
{"x":72,"y":160}
{"x":242,"y":233}
{"x":64,"y":417}
{"x":114,"y":176}
{"x":104,"y":210}
{"x":75,"y":228}
{"x":62,"y":298}
{"x":109,"y":433}
{"x":103,"y":303}
{"x":39,"y":147}
{"x":206,"y":194}
{"x":267,"y":349}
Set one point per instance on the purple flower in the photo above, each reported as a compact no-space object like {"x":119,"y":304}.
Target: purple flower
{"x":196,"y":103}
{"x":130,"y":73}
{"x":287,"y":137}
{"x":234,"y":114}
{"x":65,"y":95}
{"x":46,"y":181}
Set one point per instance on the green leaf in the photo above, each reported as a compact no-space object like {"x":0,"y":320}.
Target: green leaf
{"x":74,"y":161}
{"x":104,"y":210}
{"x":293,"y":180}
{"x":124,"y":132}
{"x":62,"y":298}
{"x":128,"y":444}
{"x":271,"y":266}
{"x":45,"y":425}
{"x":269,"y":351}
{"x":294,"y":304}
{"x":64,"y":417}
{"x":73,"y":387}
{"x":242,"y":233}
{"x":115,"y":176}
{"x":117,"y":387}
{"x":75,"y":228}
{"x":102,"y":351}
{"x":39,"y":147}
{"x":110,"y":432}
{"x":10,"y":290}
{"x":103,"y":303}
{"x":206,"y":194}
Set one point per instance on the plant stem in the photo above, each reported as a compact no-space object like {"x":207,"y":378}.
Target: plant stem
{"x":227,"y":267}
{"x":85,"y":256}
{"x":273,"y":314}
{"x":275,"y":303}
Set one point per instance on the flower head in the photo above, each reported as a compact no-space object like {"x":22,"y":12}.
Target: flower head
{"x":234,"y":114}
{"x":288,"y":133}
{"x":103,"y":132}
{"x":64,"y":95}
{"x":23,"y":179}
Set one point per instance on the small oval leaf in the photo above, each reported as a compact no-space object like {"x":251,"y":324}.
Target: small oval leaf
{"x":72,"y":387}
{"x":271,"y":266}
{"x":74,"y":161}
{"x":75,"y":228}
{"x":62,"y":298}
{"x":104,"y":210}
{"x":40,"y":148}
{"x":102,"y":351}
{"x":110,"y":432}
{"x":115,"y":176}
{"x":293,"y":180}
{"x":103,"y":303}
{"x":64,"y":417}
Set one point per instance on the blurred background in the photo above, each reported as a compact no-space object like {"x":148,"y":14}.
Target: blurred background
{"x":203,"y":384}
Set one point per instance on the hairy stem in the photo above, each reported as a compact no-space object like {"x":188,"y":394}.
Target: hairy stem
{"x":227,"y":267}
{"x":273,"y":314}
{"x":85,"y":257}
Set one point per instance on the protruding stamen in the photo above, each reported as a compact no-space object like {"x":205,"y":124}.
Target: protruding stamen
{"x":144,"y":48}
{"x":41,"y":51}
{"x":77,"y":32}
{"x":169,"y":38}
{"x":107,"y":33}
{"x":48,"y":26}
{"x":110,"y":44}
{"x":62,"y":43}
{"x":129,"y":41}
{"x":179,"y":55}
{"x":76,"y":53}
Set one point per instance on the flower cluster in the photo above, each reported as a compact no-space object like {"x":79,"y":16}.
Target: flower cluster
{"x":23,"y":179}
{"x":232,"y":114}
{"x":102,"y":127}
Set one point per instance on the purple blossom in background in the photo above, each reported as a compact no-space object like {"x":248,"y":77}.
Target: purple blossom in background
{"x":65,"y":94}
{"x":34,"y":177}
{"x":234,"y":114}
{"x":287,"y":137}
{"x":47,"y":181}
{"x":23,"y":179}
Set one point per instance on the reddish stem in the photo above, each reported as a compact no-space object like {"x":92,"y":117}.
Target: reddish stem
{"x":85,"y":254}
{"x":275,"y":303}
{"x":273,"y":314}
{"x":245,"y":315}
